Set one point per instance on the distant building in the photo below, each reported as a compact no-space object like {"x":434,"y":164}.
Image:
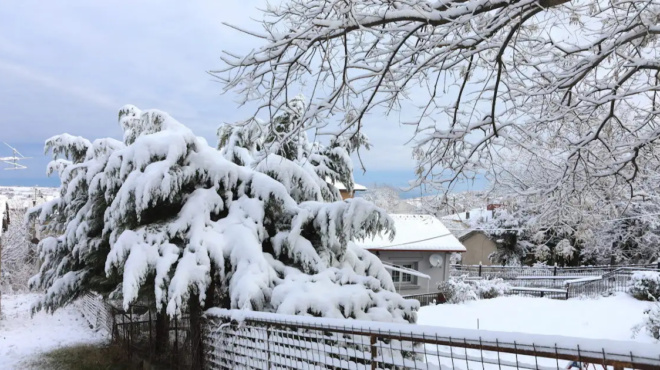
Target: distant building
{"x":345,"y":194}
{"x":477,"y":244}
{"x":418,"y":256}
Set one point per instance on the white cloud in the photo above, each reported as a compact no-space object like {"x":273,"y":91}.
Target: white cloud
{"x":71,"y":64}
{"x":44,"y":80}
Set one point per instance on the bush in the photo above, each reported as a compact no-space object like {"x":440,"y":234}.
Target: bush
{"x":645,"y":285}
{"x":491,"y":288}
{"x":651,"y":322}
{"x":457,"y":290}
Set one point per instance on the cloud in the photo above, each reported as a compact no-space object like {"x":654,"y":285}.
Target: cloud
{"x":44,"y":80}
{"x":69,"y":65}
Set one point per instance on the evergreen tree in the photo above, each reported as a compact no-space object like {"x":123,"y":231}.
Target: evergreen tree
{"x":163,"y":210}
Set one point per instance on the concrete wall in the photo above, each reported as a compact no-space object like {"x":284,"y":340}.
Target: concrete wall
{"x":479,"y":247}
{"x":437,"y":274}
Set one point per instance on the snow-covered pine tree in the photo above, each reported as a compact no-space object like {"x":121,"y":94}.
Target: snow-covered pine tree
{"x":164,"y":211}
{"x":74,"y":250}
{"x":181,"y":218}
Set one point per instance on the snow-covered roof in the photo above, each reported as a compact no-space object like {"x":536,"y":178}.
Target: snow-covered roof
{"x":460,"y":225}
{"x":475,"y":214}
{"x":458,"y":228}
{"x":341,"y":186}
{"x":415,"y":233}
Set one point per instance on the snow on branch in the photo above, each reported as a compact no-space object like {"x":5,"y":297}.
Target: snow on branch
{"x":478,"y":78}
{"x":166,"y":218}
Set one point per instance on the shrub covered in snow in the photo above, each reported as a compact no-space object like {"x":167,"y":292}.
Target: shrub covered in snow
{"x":253,"y":226}
{"x":645,"y":285}
{"x":651,"y":323}
{"x":459,"y":289}
{"x":491,"y":288}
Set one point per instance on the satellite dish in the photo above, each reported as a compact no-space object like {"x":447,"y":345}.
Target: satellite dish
{"x":436,"y":259}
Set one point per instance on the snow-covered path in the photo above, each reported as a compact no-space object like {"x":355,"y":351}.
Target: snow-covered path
{"x":22,"y":337}
{"x":605,"y":318}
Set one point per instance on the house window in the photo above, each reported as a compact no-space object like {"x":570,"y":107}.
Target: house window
{"x":403,"y":278}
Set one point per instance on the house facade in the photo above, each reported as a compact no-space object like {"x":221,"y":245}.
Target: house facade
{"x":418,"y":256}
{"x":478,"y":246}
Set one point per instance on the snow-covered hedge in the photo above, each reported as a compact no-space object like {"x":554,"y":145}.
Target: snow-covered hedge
{"x":459,"y":289}
{"x":645,"y":285}
{"x":491,"y":288}
{"x":651,"y":323}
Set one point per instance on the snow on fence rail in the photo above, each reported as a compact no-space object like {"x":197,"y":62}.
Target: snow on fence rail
{"x":259,"y":340}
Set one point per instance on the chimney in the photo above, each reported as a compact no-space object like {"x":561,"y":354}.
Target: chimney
{"x":467,"y":215}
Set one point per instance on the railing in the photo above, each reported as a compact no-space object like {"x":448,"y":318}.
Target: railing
{"x":96,"y":311}
{"x":511,"y":272}
{"x":614,"y":281}
{"x":135,"y":330}
{"x":258,"y":340}
{"x":427,"y":299}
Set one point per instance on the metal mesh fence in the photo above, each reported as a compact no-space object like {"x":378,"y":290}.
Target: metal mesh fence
{"x":513,"y":272}
{"x":271,"y":341}
{"x":96,"y":311}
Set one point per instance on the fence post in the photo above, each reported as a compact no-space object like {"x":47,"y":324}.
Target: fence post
{"x":479,"y":268}
{"x":176,"y":340}
{"x":555,"y":270}
{"x":374,"y":351}
{"x":151,"y":348}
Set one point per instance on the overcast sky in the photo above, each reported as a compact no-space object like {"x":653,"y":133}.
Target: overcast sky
{"x":69,"y":65}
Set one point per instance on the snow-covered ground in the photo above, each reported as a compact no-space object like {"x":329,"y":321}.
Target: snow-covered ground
{"x":23,"y":337}
{"x":604,"y":318}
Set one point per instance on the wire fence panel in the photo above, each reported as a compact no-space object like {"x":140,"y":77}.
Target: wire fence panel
{"x":515,"y":272}
{"x":236,"y":339}
{"x":96,"y":311}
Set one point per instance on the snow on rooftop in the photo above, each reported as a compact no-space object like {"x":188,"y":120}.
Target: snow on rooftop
{"x":481,"y":214}
{"x":415,"y":232}
{"x":341,"y":186}
{"x":460,"y":224}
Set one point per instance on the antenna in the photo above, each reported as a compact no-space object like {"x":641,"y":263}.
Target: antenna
{"x":13,"y":160}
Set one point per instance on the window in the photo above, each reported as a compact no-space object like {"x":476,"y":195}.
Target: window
{"x":404,"y":278}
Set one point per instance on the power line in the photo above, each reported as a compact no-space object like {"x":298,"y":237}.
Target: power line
{"x":416,"y":241}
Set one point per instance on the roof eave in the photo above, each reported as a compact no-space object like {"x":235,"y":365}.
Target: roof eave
{"x":415,"y":250}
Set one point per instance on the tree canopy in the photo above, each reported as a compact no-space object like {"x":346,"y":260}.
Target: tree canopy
{"x":571,"y":85}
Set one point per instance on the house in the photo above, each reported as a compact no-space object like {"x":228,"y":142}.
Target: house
{"x":477,"y":244}
{"x":418,"y":256}
{"x":345,"y":194}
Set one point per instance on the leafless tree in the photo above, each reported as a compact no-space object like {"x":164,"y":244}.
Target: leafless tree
{"x":481,"y":80}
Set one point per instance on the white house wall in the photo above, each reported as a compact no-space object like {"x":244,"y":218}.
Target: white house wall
{"x":437,"y":274}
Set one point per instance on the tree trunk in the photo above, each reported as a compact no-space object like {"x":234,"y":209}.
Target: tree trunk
{"x":197,"y":351}
{"x":162,"y":331}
